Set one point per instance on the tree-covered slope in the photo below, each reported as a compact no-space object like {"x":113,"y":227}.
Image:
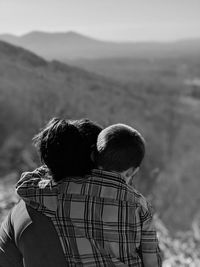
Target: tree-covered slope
{"x":33,"y":90}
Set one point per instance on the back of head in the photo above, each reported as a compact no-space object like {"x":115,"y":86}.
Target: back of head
{"x":89,"y":131}
{"x":64,"y":149}
{"x":119,"y":147}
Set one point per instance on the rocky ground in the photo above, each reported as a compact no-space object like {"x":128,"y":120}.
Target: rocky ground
{"x":183,"y":250}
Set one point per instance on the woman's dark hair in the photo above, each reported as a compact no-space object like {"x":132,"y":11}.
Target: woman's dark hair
{"x":65,"y":146}
{"x":89,"y":131}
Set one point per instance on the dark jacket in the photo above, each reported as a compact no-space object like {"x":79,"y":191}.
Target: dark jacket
{"x":29,"y":239}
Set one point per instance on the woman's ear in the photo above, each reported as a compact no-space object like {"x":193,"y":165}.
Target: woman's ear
{"x":92,"y":156}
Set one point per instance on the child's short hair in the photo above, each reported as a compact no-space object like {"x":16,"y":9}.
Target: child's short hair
{"x":63,"y":147}
{"x":119,"y":147}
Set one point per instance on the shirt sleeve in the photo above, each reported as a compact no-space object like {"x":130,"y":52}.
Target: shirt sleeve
{"x":9,"y":253}
{"x":149,"y":248}
{"x":39,"y":192}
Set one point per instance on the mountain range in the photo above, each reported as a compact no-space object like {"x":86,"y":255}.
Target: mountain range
{"x":32,"y":90}
{"x":73,"y":46}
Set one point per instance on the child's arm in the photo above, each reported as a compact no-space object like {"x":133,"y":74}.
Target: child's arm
{"x":38,"y":191}
{"x":151,"y":255}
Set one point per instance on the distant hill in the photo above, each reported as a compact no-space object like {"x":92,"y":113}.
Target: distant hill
{"x":32,"y":90}
{"x":22,"y":71}
{"x":73,"y":46}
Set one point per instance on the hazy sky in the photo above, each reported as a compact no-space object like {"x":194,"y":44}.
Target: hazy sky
{"x":104,"y":19}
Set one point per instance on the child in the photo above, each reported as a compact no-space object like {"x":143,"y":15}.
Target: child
{"x":100,"y":219}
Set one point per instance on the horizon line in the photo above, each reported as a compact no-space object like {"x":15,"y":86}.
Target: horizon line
{"x":171,"y":40}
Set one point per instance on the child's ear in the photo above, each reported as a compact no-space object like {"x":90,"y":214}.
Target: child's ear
{"x":135,"y":171}
{"x":130,"y":172}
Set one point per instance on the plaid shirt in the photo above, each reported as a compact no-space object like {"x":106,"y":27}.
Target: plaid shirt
{"x":100,"y":220}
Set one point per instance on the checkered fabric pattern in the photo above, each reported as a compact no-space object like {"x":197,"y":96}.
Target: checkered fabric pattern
{"x":100,"y":220}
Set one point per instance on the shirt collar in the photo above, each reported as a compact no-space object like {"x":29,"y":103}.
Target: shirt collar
{"x":108,"y":176}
